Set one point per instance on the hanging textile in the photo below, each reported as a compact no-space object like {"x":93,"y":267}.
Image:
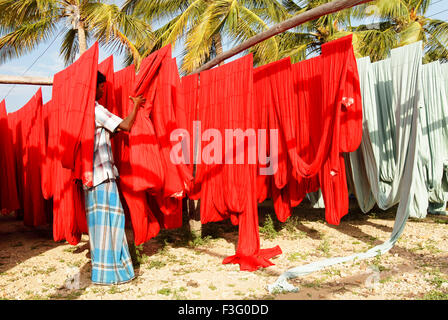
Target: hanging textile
{"x":29,"y":145}
{"x":78,"y":84}
{"x":144,"y":153}
{"x":435,"y":135}
{"x":9,"y":200}
{"x":186,"y":117}
{"x":228,"y":180}
{"x":152,"y":186}
{"x":164,"y":119}
{"x":70,"y":141}
{"x":144,"y":223}
{"x":321,"y":122}
{"x":358,"y":174}
{"x":340,"y":88}
{"x":399,"y":75}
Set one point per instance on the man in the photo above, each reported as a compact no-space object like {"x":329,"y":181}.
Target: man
{"x":111,"y":261}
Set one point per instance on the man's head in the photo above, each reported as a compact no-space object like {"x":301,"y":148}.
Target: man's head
{"x":100,"y":83}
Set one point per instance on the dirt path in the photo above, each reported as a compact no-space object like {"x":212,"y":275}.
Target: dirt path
{"x":33,"y":266}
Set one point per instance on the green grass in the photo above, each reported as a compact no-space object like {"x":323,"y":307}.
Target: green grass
{"x":164,"y":291}
{"x":156,"y":264}
{"x":377,"y":263}
{"x":198,"y":241}
{"x":212,"y":287}
{"x":324,"y":247}
{"x":436,"y":295}
{"x":268,"y":229}
{"x":296,"y":256}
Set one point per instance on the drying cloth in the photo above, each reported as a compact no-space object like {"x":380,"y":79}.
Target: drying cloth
{"x":74,"y":89}
{"x":186,"y":118}
{"x":111,"y":261}
{"x":71,"y":129}
{"x":405,"y":70}
{"x":321,"y":122}
{"x":9,"y":200}
{"x":434,"y":155}
{"x":29,"y":144}
{"x":228,"y":179}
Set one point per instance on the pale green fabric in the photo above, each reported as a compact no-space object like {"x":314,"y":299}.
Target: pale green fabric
{"x":434,"y":172}
{"x":389,"y":148}
{"x":430,"y":180}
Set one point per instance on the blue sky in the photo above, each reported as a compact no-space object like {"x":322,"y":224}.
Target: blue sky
{"x":50,"y":63}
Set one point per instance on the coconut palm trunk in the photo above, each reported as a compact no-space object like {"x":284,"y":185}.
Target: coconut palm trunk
{"x":82,"y":37}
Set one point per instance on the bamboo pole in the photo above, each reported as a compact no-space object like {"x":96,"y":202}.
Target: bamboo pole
{"x":38,"y":81}
{"x":295,"y":21}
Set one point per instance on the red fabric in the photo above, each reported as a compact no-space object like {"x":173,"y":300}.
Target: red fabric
{"x":144,"y":223}
{"x":273,"y":87}
{"x":107,"y":69}
{"x":164,"y":119}
{"x":71,"y":120}
{"x":343,"y":82}
{"x":318,"y":105}
{"x":229,"y":190}
{"x":77,"y":84}
{"x":29,"y":151}
{"x":144,"y":153}
{"x":186,"y":115}
{"x":148,"y":178}
{"x":9,"y":200}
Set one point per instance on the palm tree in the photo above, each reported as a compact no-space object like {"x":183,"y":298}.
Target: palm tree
{"x":307,"y":39}
{"x":24,"y":24}
{"x":402,"y":22}
{"x":398,"y":22}
{"x":204,"y":24}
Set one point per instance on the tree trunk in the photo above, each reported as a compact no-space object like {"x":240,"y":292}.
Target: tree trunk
{"x":82,"y":37}
{"x":217,"y":40}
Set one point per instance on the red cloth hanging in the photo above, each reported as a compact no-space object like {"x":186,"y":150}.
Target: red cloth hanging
{"x":342,"y":83}
{"x":186,"y":115}
{"x":177,"y":177}
{"x":146,"y":163}
{"x":29,"y":152}
{"x":107,"y":69}
{"x":273,"y":86}
{"x":77,"y":130}
{"x":318,"y":103}
{"x":9,"y":200}
{"x":229,"y":190}
{"x":71,"y":121}
{"x":144,"y":223}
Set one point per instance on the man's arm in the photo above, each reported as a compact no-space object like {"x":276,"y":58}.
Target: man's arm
{"x":128,"y":122}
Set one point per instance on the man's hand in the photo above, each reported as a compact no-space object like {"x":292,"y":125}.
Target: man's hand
{"x":138,"y":101}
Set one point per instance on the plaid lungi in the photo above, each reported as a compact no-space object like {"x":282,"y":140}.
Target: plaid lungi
{"x":111,"y":261}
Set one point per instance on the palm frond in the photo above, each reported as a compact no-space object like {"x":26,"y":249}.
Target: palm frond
{"x":26,"y":37}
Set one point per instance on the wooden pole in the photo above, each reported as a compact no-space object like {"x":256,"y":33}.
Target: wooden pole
{"x":38,"y":81}
{"x":306,"y":16}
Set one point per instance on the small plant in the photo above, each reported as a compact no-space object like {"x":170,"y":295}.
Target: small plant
{"x":297,"y":256}
{"x":268,"y":229}
{"x":325,"y":247}
{"x":156,"y":264}
{"x":436,"y":295}
{"x":198,"y":241}
{"x":212,"y":287}
{"x":164,"y":291}
{"x":377,"y":263}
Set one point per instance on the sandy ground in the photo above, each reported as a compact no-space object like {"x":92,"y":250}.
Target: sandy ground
{"x":175,"y":266}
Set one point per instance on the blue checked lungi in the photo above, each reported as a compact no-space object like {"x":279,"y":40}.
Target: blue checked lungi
{"x":111,"y":260}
